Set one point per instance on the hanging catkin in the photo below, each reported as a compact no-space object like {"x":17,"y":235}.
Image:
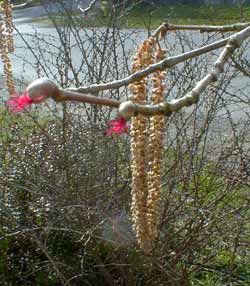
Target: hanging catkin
{"x":155,"y":150}
{"x":7,"y":9}
{"x":4,"y":49}
{"x":139,"y":141}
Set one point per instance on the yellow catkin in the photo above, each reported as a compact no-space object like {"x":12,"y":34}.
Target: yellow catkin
{"x":5,"y":59}
{"x":7,"y":9}
{"x":139,"y":140}
{"x":155,"y":151}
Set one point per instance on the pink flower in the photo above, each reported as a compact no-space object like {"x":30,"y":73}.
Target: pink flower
{"x":18,"y":103}
{"x":117,"y":126}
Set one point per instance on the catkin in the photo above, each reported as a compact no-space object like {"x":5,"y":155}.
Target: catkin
{"x":155,"y":151}
{"x":5,"y":59}
{"x":7,"y":9}
{"x":139,"y":142}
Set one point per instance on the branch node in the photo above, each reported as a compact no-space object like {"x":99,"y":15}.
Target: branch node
{"x":233,"y":43}
{"x":127,"y":109}
{"x":166,"y":109}
{"x":43,"y":87}
{"x":192,"y":98}
{"x":218,"y":65}
{"x":214,"y":74}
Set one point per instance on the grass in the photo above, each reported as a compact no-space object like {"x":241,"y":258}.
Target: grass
{"x":186,"y":14}
{"x":143,"y":17}
{"x":34,"y":2}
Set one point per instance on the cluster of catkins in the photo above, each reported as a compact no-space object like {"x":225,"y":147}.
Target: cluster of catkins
{"x":7,"y":43}
{"x":146,"y":148}
{"x":155,"y":150}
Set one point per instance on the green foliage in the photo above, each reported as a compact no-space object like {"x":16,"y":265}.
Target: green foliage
{"x":141,"y":17}
{"x":184,"y":14}
{"x":19,"y":126}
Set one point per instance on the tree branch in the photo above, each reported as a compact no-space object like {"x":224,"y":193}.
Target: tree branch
{"x":165,"y":27}
{"x":86,"y":10}
{"x":66,"y":95}
{"x":27,"y":4}
{"x":162,"y":65}
{"x":129,"y":109}
{"x":240,"y":67}
{"x":168,"y":62}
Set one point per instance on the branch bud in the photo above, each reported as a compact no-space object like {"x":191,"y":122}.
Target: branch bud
{"x":41,"y":89}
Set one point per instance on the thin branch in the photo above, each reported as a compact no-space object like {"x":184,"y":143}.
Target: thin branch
{"x":162,"y":65}
{"x":165,"y":27}
{"x":26,"y":4}
{"x":128,"y":109}
{"x":67,"y":95}
{"x":171,"y":61}
{"x":240,"y":68}
{"x":86,"y":10}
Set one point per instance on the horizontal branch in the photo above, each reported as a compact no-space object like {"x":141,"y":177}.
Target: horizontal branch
{"x":67,"y":95}
{"x":170,"y":61}
{"x":162,"y":65}
{"x":43,"y":88}
{"x":27,"y":4}
{"x":165,"y":27}
{"x":129,"y":109}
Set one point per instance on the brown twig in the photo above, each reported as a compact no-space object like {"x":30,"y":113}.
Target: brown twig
{"x":162,"y":65}
{"x":129,"y":108}
{"x":67,"y":95}
{"x":165,"y":27}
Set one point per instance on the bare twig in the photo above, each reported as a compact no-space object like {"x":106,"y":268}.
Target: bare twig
{"x":128,"y":109}
{"x":171,"y":61}
{"x":165,"y":27}
{"x":86,"y":10}
{"x":26,"y":4}
{"x":240,"y":67}
{"x":65,"y":95}
{"x":162,"y":65}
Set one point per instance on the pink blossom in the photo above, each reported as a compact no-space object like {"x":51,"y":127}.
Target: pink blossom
{"x":117,"y":126}
{"x":18,"y":103}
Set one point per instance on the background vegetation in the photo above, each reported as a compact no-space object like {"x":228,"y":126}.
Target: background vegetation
{"x":141,"y":14}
